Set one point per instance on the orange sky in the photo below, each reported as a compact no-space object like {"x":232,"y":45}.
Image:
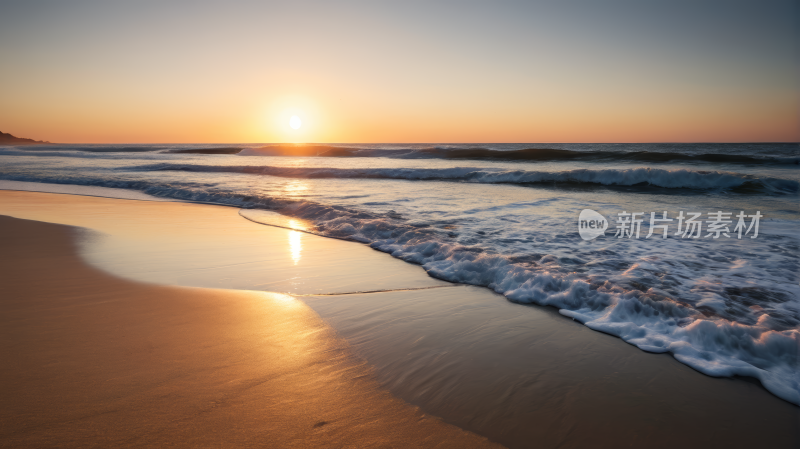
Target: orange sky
{"x":93,"y":72}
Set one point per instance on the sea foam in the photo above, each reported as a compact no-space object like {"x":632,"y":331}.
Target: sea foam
{"x":686,"y":326}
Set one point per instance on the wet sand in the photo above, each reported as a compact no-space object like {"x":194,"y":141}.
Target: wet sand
{"x":90,"y":360}
{"x":522,"y":375}
{"x":526,"y":376}
{"x":199,"y":245}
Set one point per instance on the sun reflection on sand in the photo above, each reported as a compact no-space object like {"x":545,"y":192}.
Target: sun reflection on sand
{"x":299,"y":225}
{"x":282,"y":299}
{"x":295,"y":245}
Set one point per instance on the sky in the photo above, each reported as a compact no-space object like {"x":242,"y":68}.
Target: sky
{"x":410,"y":71}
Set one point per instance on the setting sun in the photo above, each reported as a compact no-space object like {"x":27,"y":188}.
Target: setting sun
{"x":295,"y":122}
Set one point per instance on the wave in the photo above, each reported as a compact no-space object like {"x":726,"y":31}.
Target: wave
{"x":528,"y":154}
{"x":55,"y":148}
{"x":764,"y":347}
{"x":90,"y":155}
{"x":778,"y":154}
{"x":310,"y":150}
{"x":225,"y":150}
{"x":669,"y":179}
{"x":59,"y":150}
{"x":545,"y":154}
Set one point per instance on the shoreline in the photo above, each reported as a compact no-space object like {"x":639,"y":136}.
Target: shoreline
{"x":373,"y":335}
{"x":692,"y":355}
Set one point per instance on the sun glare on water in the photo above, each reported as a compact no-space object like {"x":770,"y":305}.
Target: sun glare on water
{"x":295,"y":122}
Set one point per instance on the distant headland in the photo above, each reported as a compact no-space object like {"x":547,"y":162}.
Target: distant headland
{"x":8,"y":139}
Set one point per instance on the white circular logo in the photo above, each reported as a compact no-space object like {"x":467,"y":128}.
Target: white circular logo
{"x":591,"y":224}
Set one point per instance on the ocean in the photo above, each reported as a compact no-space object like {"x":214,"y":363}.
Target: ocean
{"x":723,"y":298}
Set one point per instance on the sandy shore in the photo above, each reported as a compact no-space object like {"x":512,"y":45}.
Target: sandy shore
{"x":90,"y":360}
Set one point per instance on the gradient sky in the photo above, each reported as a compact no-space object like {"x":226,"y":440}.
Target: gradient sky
{"x":427,"y":71}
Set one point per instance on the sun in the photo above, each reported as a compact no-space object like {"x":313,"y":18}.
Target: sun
{"x":295,"y":122}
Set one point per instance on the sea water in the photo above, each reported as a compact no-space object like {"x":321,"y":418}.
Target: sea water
{"x":505,"y":217}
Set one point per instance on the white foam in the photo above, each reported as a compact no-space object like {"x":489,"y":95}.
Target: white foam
{"x":702,"y":324}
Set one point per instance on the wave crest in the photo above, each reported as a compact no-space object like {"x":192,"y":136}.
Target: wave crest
{"x":527,"y":154}
{"x":669,"y":179}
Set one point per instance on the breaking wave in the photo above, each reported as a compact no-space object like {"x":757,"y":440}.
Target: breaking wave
{"x":743,"y":154}
{"x":669,"y":179}
{"x":764,"y":346}
{"x":527,"y":154}
{"x":545,"y":154}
